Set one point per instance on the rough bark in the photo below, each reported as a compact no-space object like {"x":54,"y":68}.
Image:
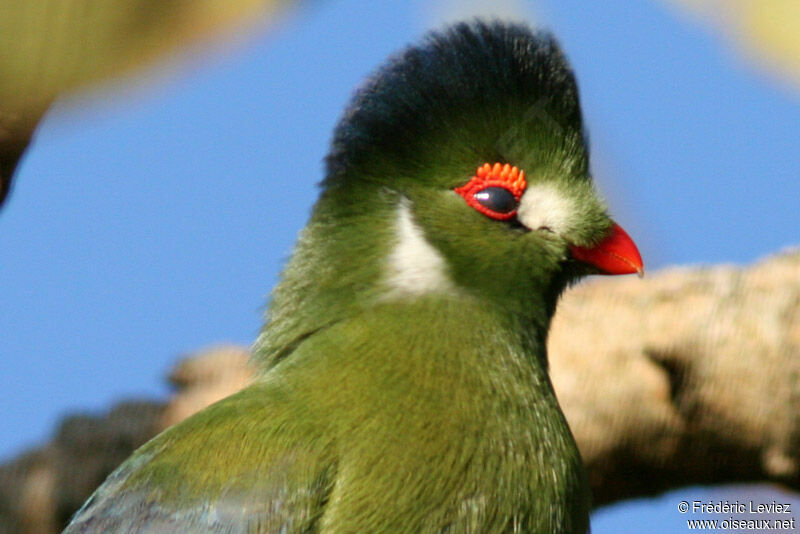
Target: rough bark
{"x":690,"y":376}
{"x":693,"y":377}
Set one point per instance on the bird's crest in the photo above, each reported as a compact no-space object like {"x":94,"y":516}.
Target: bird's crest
{"x":472,"y":84}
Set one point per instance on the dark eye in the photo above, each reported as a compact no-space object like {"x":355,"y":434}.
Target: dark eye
{"x":497,"y":199}
{"x":495,"y":190}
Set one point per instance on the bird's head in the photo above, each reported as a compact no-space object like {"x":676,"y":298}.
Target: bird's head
{"x":461,"y":167}
{"x":476,"y":136}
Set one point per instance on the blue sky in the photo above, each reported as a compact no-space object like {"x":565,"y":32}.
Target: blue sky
{"x":151,"y":222}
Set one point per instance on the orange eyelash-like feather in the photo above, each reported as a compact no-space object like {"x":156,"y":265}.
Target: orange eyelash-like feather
{"x":497,"y":175}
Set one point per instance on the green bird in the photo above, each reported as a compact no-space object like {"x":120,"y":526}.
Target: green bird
{"x":403,"y":381}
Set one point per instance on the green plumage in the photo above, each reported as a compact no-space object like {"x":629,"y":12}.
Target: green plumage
{"x":384,"y":406}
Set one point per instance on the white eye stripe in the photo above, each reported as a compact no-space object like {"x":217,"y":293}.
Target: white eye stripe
{"x":544,"y":206}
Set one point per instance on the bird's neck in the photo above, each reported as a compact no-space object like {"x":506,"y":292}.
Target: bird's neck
{"x":350,"y":259}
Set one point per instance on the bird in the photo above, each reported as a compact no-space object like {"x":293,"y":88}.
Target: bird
{"x":402,"y":381}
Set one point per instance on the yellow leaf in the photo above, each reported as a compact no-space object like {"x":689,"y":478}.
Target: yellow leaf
{"x":48,"y":47}
{"x":766,"y":31}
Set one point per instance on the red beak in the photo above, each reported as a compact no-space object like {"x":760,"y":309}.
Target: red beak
{"x":616,"y":254}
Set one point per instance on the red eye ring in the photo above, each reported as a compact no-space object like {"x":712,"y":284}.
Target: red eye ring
{"x":498,"y":175}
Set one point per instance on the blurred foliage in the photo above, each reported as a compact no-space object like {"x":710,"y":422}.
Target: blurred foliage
{"x":48,"y":47}
{"x":767,"y":31}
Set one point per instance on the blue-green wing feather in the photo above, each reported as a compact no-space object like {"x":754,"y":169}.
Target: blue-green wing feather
{"x":254,"y":462}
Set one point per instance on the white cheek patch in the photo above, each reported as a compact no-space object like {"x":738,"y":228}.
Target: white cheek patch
{"x":543,"y":206}
{"x":415,"y":266}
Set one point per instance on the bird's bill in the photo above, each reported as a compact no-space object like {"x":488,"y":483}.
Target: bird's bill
{"x":616,"y":254}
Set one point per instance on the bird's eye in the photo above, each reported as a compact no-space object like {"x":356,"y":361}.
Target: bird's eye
{"x":497,"y":199}
{"x":495,"y":190}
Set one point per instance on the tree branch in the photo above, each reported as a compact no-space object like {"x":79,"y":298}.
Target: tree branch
{"x":693,"y":377}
